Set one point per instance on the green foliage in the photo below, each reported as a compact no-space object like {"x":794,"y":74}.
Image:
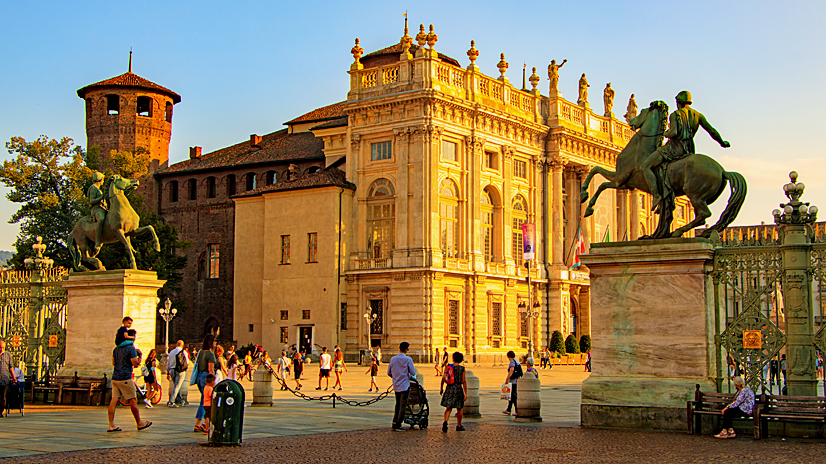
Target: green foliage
{"x":242,"y":351}
{"x":557,"y":343}
{"x":585,"y":343}
{"x":571,"y":345}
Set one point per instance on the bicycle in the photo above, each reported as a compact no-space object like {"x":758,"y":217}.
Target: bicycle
{"x":157,"y":395}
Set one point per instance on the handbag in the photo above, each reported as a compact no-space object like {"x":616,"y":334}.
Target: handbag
{"x":506,"y":392}
{"x":193,"y":379}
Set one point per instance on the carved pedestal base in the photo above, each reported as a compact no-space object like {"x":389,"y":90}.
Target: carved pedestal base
{"x":96,"y":304}
{"x":651,"y":332}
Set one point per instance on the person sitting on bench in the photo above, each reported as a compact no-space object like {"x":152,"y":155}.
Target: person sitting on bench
{"x":742,"y":406}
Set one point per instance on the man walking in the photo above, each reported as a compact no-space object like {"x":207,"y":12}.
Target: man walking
{"x":6,"y":375}
{"x":124,"y":359}
{"x":325,"y":363}
{"x":176,"y":373}
{"x":401,"y":370}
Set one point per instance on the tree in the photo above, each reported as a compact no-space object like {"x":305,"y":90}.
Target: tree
{"x":47,"y":178}
{"x":557,"y":343}
{"x":571,"y":345}
{"x":585,"y":343}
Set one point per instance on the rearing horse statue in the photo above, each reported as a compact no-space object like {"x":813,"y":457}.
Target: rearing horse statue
{"x":121,"y":223}
{"x":698,"y":176}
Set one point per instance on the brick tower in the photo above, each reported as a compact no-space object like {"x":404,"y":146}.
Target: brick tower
{"x":127,"y":112}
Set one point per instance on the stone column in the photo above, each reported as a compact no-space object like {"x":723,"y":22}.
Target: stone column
{"x":261,"y":387}
{"x":652,"y":332}
{"x":634,"y":206}
{"x":400,"y":253}
{"x":622,"y":215}
{"x":797,"y":302}
{"x":557,"y":224}
{"x":96,"y":304}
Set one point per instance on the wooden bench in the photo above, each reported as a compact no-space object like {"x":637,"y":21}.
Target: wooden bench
{"x":711,"y":404}
{"x":787,"y":408}
{"x":70,"y":384}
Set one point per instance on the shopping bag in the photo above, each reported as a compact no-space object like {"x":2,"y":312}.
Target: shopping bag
{"x":193,"y":379}
{"x":506,"y":392}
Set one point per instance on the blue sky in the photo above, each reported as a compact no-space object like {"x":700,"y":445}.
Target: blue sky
{"x":755,"y":69}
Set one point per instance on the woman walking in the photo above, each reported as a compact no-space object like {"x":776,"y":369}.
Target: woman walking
{"x":151,"y":378}
{"x":298,"y":368}
{"x":284,"y":369}
{"x":338,"y":367}
{"x":454,"y":390}
{"x":206,"y":362}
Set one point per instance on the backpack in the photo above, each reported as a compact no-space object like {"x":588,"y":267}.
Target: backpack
{"x":517,"y":372}
{"x":449,"y":379}
{"x":181,"y":363}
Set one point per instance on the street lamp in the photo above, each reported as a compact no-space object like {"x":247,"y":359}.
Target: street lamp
{"x":167,"y":313}
{"x":369,"y":317}
{"x":530,"y":313}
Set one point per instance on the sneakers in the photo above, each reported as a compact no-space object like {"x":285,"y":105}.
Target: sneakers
{"x":507,"y":413}
{"x":459,"y":428}
{"x":444,"y":426}
{"x":319,"y":388}
{"x":722,"y":434}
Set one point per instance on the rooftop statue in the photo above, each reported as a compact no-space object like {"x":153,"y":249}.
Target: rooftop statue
{"x":583,"y":91}
{"x":117,"y":224}
{"x":631,"y":109}
{"x":553,"y":73}
{"x":679,"y":170}
{"x":608,"y":99}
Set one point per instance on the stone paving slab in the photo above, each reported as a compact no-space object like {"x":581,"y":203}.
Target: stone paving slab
{"x":481,"y":443}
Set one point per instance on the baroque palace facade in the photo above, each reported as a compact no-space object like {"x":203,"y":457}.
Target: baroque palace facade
{"x":412,"y":232}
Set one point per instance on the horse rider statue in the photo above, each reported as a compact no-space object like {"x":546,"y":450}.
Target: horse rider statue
{"x":99,"y":206}
{"x":683,"y":125}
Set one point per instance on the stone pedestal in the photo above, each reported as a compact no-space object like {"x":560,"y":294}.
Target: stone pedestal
{"x":471,"y":408}
{"x":528,"y":403}
{"x":261,"y":387}
{"x":652,"y":330}
{"x":96,"y":304}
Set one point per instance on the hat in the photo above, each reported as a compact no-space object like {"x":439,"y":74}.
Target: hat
{"x":97,"y":177}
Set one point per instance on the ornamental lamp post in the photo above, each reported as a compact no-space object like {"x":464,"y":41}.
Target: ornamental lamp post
{"x":369,"y":318}
{"x":530,"y":313}
{"x":167,"y":313}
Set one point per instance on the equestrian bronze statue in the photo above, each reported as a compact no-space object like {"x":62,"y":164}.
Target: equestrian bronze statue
{"x":672,"y":170}
{"x":119,"y":224}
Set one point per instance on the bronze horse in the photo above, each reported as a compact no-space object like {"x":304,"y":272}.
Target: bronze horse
{"x":121,"y":223}
{"x":698,"y":176}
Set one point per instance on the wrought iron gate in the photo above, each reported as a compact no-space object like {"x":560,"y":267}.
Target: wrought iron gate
{"x":33,"y":314}
{"x":768,"y":284}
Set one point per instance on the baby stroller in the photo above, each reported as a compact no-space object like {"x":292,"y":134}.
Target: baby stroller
{"x":14,"y":398}
{"x":417,"y":410}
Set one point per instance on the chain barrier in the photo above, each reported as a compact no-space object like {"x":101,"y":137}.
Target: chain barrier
{"x":332,"y":396}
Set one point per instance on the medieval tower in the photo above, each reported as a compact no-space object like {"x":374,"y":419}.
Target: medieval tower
{"x":128,"y":112}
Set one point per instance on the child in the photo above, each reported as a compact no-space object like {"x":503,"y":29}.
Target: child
{"x":210,"y":384}
{"x":123,"y":336}
{"x":374,"y":371}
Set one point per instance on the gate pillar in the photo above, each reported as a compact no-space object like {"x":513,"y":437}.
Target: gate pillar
{"x":652,"y":326}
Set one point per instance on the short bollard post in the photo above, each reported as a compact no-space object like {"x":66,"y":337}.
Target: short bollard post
{"x":471,"y":408}
{"x":528,"y":403}
{"x":262,"y":388}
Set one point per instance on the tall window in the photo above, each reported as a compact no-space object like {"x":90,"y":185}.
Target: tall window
{"x":381,"y":219}
{"x":144,"y":106}
{"x":173,"y":191}
{"x":491,"y":160}
{"x":487,"y":226}
{"x":520,"y":169}
{"x":214,"y":260}
{"x":449,"y":151}
{"x":231,"y":187}
{"x":496,"y":319}
{"x":285,"y":334}
{"x":192,"y":185}
{"x":449,"y":219}
{"x":381,"y":151}
{"x":251,"y":181}
{"x":453,"y":317}
{"x":343,"y":316}
{"x":285,"y":249}
{"x":167,"y":115}
{"x":211,"y":193}
{"x":272,"y":177}
{"x":312,"y":247}
{"x":519,"y":213}
{"x":112,"y":104}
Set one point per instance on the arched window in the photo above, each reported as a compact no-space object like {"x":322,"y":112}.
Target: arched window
{"x":173,"y":191}
{"x":519,"y":214}
{"x":381,"y":219}
{"x":251,"y":181}
{"x":488,"y":226}
{"x":168,"y":112}
{"x":231,"y":187}
{"x":145,"y":107}
{"x":112,"y":104}
{"x":192,"y":186}
{"x":272,"y":177}
{"x":449,"y":219}
{"x":211,"y":193}
{"x":313,"y":169}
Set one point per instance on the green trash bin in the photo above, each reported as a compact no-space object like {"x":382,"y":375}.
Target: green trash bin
{"x":227,"y":414}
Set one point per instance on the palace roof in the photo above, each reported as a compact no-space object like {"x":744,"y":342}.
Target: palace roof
{"x":327,"y":177}
{"x":129,"y":80}
{"x":276,"y":147}
{"x":325,"y":113}
{"x":392,"y":54}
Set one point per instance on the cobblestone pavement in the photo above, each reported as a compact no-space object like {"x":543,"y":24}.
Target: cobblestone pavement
{"x":480,"y":443}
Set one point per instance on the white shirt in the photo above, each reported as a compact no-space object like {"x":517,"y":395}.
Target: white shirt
{"x":171,"y":361}
{"x":18,"y":374}
{"x":325,"y":360}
